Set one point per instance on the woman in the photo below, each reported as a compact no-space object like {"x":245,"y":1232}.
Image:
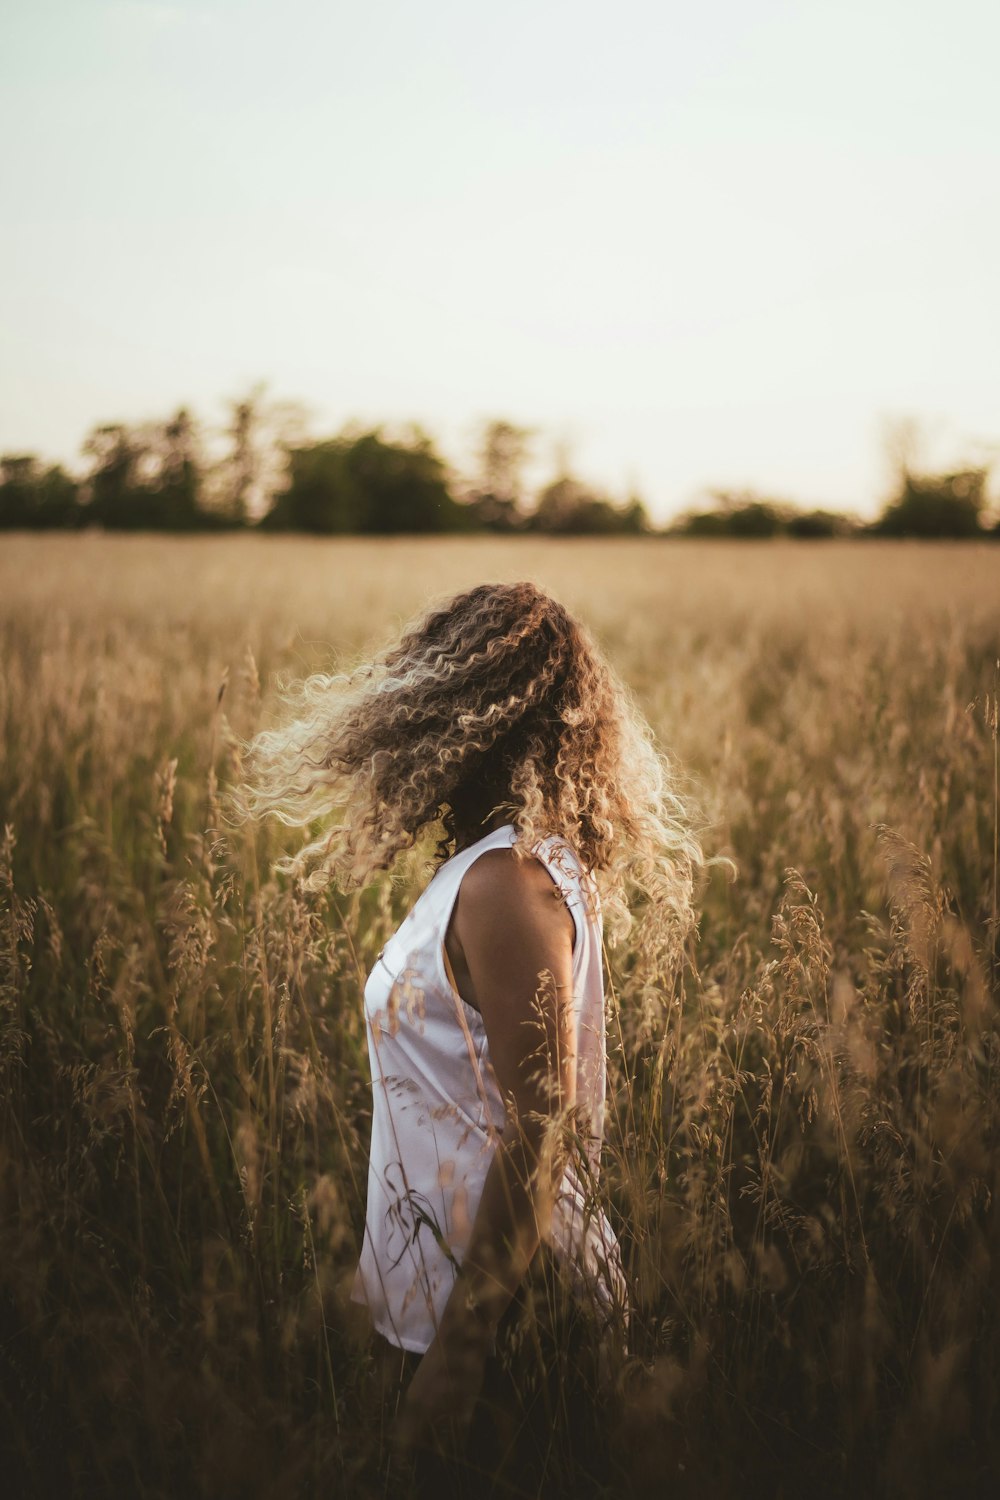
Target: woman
{"x":496,"y":720}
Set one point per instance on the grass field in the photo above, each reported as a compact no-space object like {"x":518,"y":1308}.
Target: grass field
{"x":802,"y":1155}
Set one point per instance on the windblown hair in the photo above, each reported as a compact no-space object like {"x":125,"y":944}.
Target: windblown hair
{"x":496,"y":700}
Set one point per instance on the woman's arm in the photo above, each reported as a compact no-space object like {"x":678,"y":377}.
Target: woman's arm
{"x":516,"y":939}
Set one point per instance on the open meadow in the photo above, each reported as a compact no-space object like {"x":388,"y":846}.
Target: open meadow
{"x":802,"y":1148}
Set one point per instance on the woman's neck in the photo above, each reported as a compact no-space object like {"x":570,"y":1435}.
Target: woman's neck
{"x":465,"y":836}
{"x":473,"y":820}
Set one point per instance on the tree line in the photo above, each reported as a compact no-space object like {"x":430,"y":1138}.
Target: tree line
{"x":270,"y":476}
{"x":951,"y":504}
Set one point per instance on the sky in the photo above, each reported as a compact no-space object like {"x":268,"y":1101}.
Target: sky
{"x":731,"y":244}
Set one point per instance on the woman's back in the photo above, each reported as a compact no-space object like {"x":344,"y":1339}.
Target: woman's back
{"x":438,"y":1112}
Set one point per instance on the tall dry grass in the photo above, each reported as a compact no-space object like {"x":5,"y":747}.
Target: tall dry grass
{"x":801,"y":1156}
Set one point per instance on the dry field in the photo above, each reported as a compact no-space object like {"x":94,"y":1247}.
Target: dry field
{"x":802,"y":1151}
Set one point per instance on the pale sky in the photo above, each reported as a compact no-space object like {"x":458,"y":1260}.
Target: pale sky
{"x":710,"y":244}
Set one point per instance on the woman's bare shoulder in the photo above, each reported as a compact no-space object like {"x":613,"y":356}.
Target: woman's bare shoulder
{"x":503,"y":883}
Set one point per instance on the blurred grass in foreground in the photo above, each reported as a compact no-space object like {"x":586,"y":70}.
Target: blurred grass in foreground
{"x":801,"y":1157}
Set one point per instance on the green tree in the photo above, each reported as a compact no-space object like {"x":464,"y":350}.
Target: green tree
{"x":820,"y":523}
{"x":36,"y":497}
{"x":736,"y":513}
{"x":755,"y":518}
{"x":404,"y":486}
{"x":240,"y":488}
{"x":744,"y":514}
{"x":175,"y":498}
{"x":244,"y":462}
{"x":113,"y":489}
{"x":633,"y":516}
{"x":320,"y":495}
{"x":568,"y":507}
{"x":148,"y":476}
{"x":936,"y":505}
{"x":497,"y":497}
{"x":367,"y":483}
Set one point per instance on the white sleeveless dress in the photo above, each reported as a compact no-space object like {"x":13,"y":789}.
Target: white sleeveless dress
{"x":438,"y":1112}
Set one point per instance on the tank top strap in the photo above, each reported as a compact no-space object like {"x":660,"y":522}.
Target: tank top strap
{"x":442,"y":891}
{"x":553,"y":851}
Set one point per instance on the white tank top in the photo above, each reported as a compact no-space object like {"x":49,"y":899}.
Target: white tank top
{"x":438,"y":1112}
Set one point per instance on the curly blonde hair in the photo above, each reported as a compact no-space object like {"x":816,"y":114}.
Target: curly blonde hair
{"x":495,"y":701}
